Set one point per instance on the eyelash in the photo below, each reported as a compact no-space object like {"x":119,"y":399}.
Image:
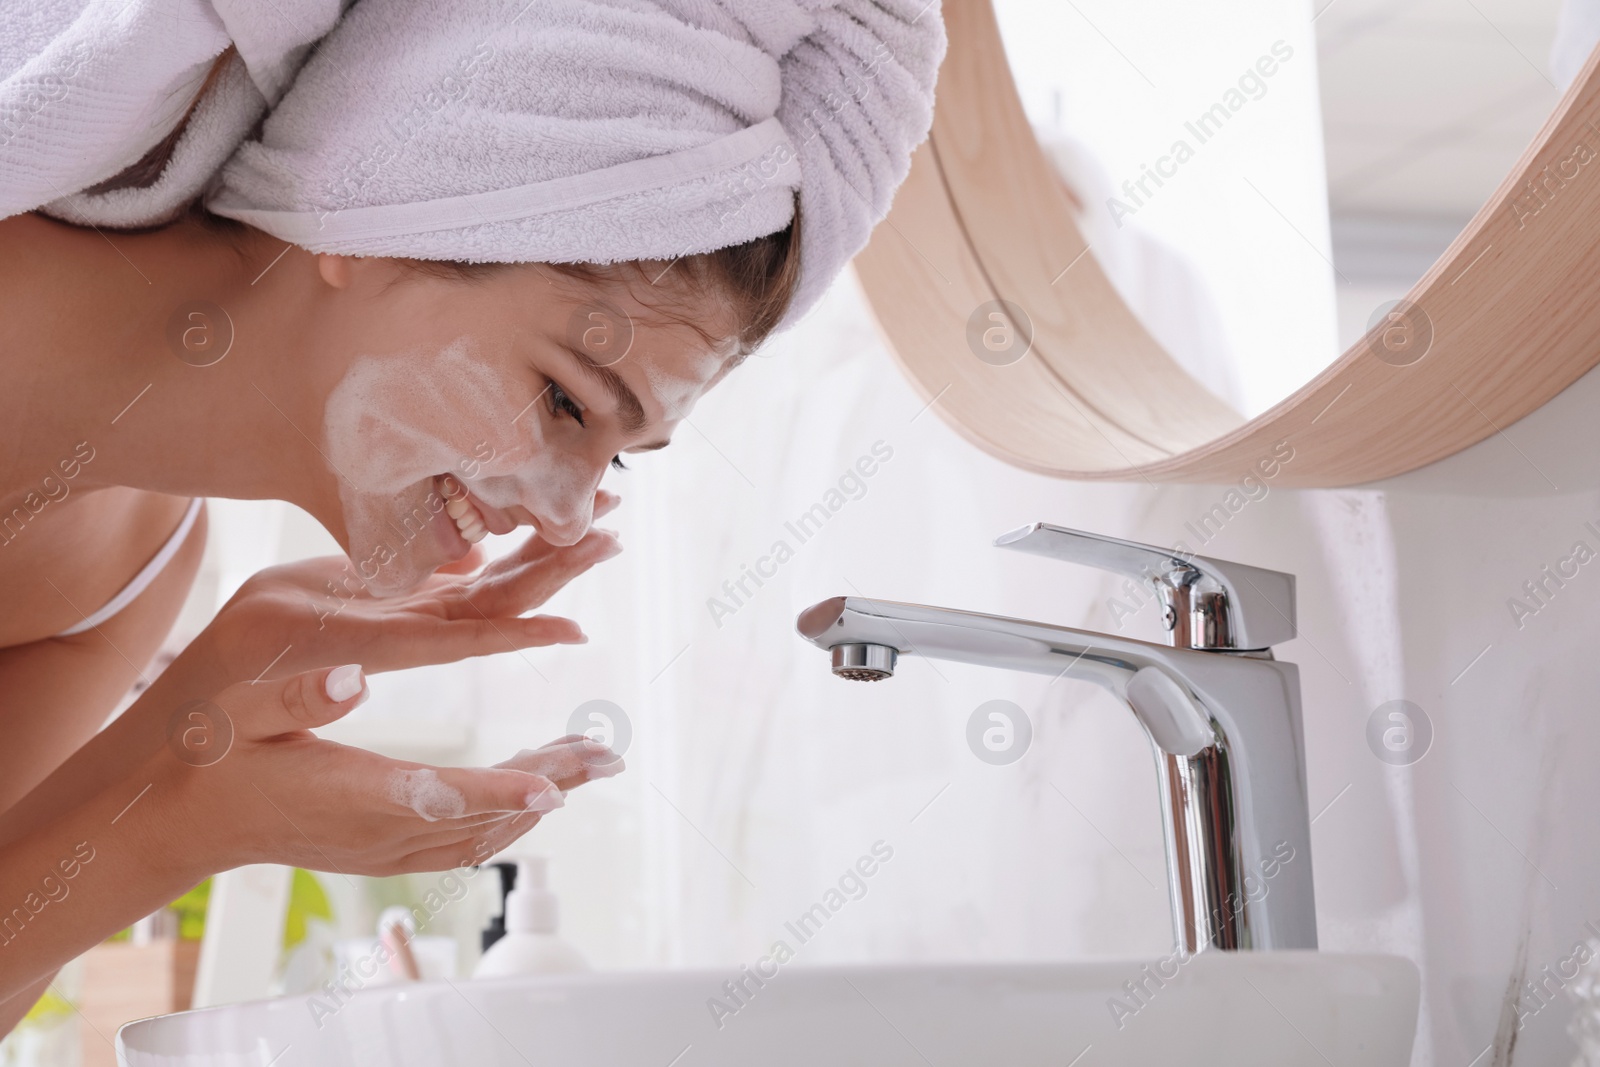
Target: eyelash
{"x":562,"y":404}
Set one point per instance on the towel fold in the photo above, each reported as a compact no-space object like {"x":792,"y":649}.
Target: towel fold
{"x":88,"y":87}
{"x":594,"y":130}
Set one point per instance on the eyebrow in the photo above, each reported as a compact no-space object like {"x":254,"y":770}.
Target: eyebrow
{"x":630,"y":413}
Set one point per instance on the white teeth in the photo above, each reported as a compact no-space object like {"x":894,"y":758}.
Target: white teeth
{"x":466,"y":518}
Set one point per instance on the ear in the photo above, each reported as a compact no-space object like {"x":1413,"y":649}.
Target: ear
{"x":336,"y":271}
{"x":355,"y":272}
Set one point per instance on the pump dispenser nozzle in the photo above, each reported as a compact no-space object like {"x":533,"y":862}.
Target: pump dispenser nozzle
{"x":530,"y":944}
{"x":530,"y":907}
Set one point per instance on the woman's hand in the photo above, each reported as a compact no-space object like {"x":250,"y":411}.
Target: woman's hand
{"x":316,"y":613}
{"x":244,"y":780}
{"x":284,"y":621}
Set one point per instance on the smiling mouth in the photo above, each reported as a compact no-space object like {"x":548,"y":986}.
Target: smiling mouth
{"x":474,"y":519}
{"x":467,"y":519}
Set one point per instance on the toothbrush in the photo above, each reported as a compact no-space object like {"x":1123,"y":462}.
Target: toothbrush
{"x":401,"y":959}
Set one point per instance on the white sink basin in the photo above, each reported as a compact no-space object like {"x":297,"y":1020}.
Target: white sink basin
{"x":1278,"y":1009}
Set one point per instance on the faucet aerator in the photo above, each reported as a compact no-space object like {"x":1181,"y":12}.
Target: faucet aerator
{"x":864,"y":663}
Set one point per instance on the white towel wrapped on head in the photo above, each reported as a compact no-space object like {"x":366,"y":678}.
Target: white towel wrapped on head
{"x":594,"y":130}
{"x":88,"y":87}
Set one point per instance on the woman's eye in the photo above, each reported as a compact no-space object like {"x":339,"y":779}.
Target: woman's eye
{"x":562,"y":404}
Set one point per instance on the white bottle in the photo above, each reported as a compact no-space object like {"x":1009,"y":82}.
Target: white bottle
{"x":530,"y":945}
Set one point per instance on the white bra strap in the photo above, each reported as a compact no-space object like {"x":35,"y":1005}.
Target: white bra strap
{"x":146,"y":575}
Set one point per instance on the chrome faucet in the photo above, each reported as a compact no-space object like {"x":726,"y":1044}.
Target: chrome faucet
{"x":1223,"y":717}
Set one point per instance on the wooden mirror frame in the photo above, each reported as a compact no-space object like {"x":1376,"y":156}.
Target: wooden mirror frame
{"x":1512,"y":308}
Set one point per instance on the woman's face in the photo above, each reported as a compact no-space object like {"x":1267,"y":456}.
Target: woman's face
{"x":492,"y":402}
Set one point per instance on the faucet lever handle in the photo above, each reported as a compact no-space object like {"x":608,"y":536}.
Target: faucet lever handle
{"x":1211,"y":603}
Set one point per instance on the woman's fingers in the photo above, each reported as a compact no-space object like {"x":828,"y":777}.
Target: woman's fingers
{"x":465,"y":638}
{"x":536,"y":552}
{"x":425,"y":641}
{"x":494,"y":828}
{"x":531,"y":782}
{"x":462,"y":853}
{"x":437,"y":794}
{"x":468,"y":564}
{"x":569,"y":763}
{"x":467,"y":841}
{"x":528,"y":577}
{"x":360,"y":811}
{"x":605,"y":502}
{"x":565,"y":739}
{"x":299,"y":702}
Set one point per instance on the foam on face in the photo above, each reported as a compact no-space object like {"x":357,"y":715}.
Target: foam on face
{"x":423,"y":792}
{"x":396,"y":421}
{"x":677,"y":390}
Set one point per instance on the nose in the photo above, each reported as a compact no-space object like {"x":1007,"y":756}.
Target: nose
{"x":563,"y":509}
{"x":564,"y":524}
{"x":562,"y":533}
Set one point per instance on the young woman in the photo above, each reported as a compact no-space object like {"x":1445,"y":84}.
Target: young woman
{"x":472,"y":257}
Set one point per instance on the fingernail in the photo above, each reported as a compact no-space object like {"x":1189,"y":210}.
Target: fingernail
{"x":609,"y":769}
{"x":581,"y":639}
{"x":344,"y":682}
{"x":548,"y":798}
{"x":589,"y":744}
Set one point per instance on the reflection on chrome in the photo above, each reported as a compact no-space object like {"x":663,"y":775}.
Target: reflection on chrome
{"x":1222,"y":715}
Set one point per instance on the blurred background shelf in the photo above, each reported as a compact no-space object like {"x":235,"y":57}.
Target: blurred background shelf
{"x":123,"y":981}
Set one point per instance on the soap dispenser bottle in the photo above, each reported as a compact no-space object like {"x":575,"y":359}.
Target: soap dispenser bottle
{"x":530,"y":944}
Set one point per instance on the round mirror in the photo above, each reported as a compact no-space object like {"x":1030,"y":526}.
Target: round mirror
{"x":1171,"y":240}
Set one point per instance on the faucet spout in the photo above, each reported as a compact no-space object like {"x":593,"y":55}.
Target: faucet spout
{"x":1225,"y":730}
